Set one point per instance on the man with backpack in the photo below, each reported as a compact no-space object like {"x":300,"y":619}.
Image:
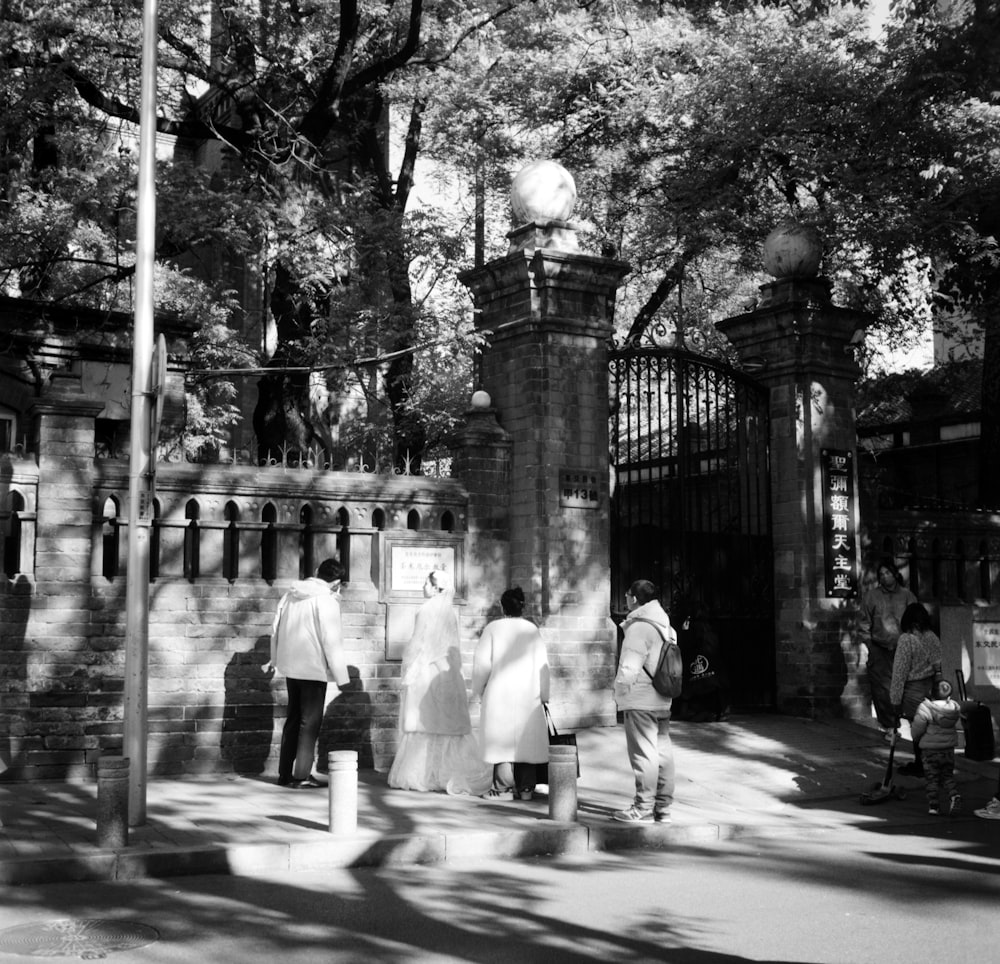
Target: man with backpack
{"x":645,"y":708}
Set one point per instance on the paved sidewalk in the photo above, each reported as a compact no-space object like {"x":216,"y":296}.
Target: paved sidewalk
{"x":752,"y":776}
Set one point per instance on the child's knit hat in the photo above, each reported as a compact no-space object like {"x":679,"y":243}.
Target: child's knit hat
{"x":942,"y":689}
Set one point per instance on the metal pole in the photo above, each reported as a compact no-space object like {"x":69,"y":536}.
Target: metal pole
{"x":140,"y":497}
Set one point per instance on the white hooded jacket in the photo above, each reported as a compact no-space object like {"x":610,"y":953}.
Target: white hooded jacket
{"x":306,"y":641}
{"x":641,"y":648}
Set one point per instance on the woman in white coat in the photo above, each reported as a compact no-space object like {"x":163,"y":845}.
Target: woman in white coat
{"x":510,"y":670}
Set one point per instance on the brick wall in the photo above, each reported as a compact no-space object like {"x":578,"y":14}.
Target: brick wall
{"x":211,"y":707}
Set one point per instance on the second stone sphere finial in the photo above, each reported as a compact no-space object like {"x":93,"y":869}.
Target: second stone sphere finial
{"x":793,"y":250}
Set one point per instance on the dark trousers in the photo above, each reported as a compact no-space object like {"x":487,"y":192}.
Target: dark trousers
{"x":306,"y":698}
{"x":914,"y":693}
{"x":514,"y":776}
{"x":880,"y":678}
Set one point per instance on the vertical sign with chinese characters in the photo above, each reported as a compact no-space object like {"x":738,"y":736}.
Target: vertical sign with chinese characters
{"x":840,"y":546}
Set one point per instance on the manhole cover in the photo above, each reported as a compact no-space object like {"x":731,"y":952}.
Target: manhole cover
{"x":86,"y":939}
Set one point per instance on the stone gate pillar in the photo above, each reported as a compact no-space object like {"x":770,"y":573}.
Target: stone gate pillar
{"x":547,"y":312}
{"x":800,"y":345}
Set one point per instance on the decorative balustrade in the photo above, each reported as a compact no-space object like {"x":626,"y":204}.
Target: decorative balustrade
{"x":945,"y":557}
{"x":314,"y":458}
{"x":238,"y":522}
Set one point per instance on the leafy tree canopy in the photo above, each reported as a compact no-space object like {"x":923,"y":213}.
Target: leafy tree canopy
{"x":332,"y":150}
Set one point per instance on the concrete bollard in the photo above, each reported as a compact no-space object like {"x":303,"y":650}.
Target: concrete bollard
{"x":343,"y":791}
{"x":112,"y":801}
{"x":562,"y":783}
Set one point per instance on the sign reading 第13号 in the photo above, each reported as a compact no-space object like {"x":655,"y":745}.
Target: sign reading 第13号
{"x":840,"y":542}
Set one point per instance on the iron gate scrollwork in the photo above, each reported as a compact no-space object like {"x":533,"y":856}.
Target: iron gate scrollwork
{"x":691,"y":503}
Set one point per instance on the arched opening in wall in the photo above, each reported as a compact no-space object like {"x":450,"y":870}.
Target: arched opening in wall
{"x":192,"y":540}
{"x":378,"y":519}
{"x":985,"y":583}
{"x":344,"y":541}
{"x":447,"y":521}
{"x":307,"y":543}
{"x":154,"y":541}
{"x":269,"y":543}
{"x":413,"y":519}
{"x":231,"y":542}
{"x":12,"y":534}
{"x":110,"y":539}
{"x":936,"y":569}
{"x":960,"y":570}
{"x":914,"y":568}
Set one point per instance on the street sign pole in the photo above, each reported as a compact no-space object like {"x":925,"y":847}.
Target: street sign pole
{"x":140,"y":495}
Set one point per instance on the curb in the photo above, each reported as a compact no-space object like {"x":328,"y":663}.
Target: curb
{"x":371,"y":850}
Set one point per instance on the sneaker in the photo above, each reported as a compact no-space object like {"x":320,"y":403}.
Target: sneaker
{"x":934,"y":811}
{"x":308,"y":784}
{"x":662,"y":816}
{"x":954,"y":806}
{"x":633,"y":815}
{"x":991,"y":811}
{"x":499,"y":796}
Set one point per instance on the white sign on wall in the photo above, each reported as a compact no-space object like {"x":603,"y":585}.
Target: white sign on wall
{"x":410,"y":565}
{"x":986,"y":653}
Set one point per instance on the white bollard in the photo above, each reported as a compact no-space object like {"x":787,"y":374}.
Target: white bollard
{"x":343,"y":791}
{"x":562,"y":783}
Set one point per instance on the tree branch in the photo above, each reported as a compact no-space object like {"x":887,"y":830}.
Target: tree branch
{"x":670,"y":280}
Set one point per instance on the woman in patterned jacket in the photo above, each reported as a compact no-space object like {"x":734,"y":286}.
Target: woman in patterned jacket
{"x":917,"y":663}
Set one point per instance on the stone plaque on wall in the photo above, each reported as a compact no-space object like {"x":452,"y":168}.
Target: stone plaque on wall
{"x":408,"y":557}
{"x":578,"y":490}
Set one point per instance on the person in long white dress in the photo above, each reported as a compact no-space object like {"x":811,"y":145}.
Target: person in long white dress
{"x":437,"y":749}
{"x":510,"y":670}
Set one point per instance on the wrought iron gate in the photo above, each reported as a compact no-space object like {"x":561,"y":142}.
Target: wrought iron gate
{"x":691,"y":503}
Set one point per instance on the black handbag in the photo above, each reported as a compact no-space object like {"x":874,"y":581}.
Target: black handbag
{"x":555,"y":739}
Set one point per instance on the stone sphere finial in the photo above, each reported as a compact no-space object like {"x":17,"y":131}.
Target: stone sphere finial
{"x":481,"y":400}
{"x":793,"y":250}
{"x":542,"y":191}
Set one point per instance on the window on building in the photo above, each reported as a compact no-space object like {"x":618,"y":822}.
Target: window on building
{"x":110,"y":539}
{"x":231,"y":542}
{"x":307,"y":543}
{"x":8,"y":429}
{"x":154,"y":542}
{"x":344,"y":542}
{"x":10,"y":521}
{"x":269,"y":543}
{"x":192,"y":541}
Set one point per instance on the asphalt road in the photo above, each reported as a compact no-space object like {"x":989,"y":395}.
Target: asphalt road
{"x":863,"y":898}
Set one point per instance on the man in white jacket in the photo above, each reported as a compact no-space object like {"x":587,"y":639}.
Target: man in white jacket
{"x":647,"y":713}
{"x":307,"y":649}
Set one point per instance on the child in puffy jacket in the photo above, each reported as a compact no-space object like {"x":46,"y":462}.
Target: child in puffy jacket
{"x":935,"y":728}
